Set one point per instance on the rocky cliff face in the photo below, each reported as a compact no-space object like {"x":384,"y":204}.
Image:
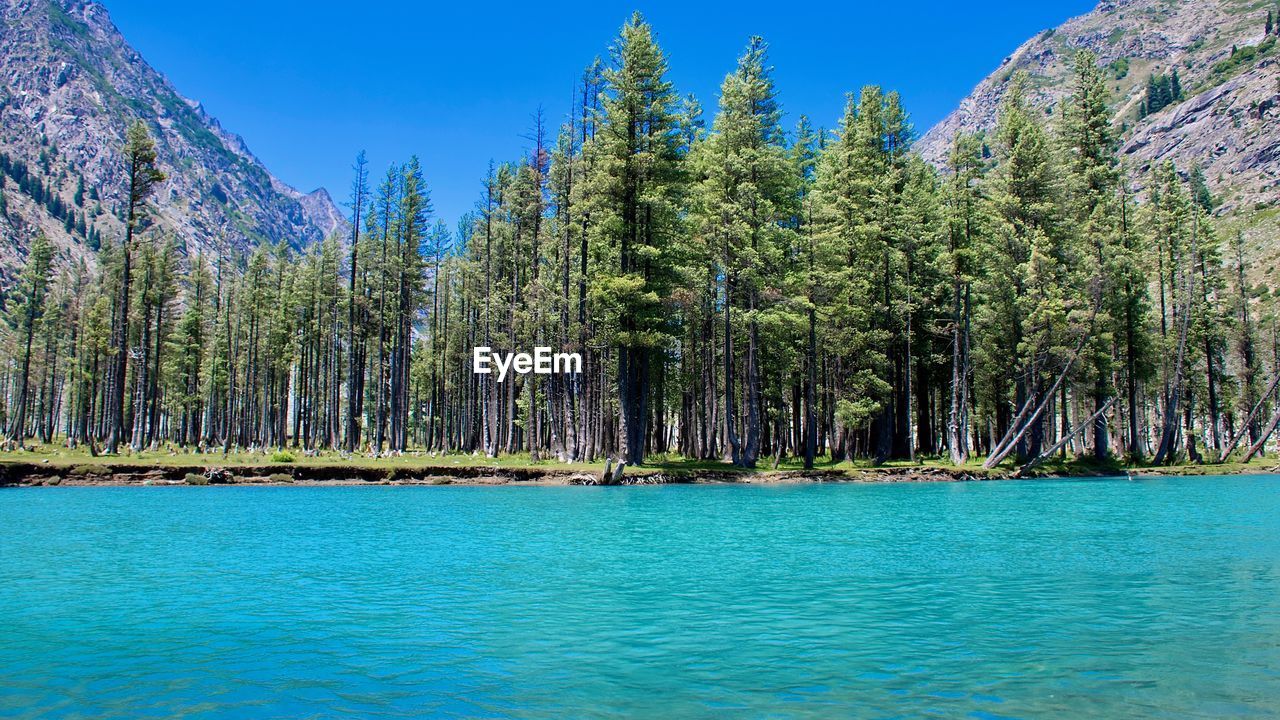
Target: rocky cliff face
{"x":71,"y":85}
{"x":1227,"y":122}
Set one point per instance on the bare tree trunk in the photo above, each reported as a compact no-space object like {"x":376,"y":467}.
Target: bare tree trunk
{"x":1066,"y":438}
{"x":1168,"y":435}
{"x":1263,"y":437}
{"x":1019,"y":427}
{"x":1247,"y":427}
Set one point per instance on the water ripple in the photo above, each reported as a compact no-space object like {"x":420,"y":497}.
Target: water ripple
{"x":1116,"y":599}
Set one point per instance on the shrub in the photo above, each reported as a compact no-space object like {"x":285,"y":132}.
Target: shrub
{"x":196,"y":479}
{"x":282,"y":456}
{"x":1242,"y":56}
{"x":280,"y":478}
{"x":1119,"y":68}
{"x":81,"y":470}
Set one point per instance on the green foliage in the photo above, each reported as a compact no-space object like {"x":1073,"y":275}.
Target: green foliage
{"x":32,"y":288}
{"x":1240,"y":58}
{"x":1199,"y":188}
{"x":46,"y":194}
{"x":196,"y":479}
{"x":735,"y":294}
{"x":634,"y":194}
{"x":637,"y":151}
{"x":744,"y":196}
{"x":144,"y":175}
{"x":1162,"y":91}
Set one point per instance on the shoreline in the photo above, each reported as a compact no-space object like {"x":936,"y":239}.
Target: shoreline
{"x":23,"y":474}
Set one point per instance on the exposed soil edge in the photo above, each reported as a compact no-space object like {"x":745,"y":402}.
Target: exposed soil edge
{"x":28,"y":474}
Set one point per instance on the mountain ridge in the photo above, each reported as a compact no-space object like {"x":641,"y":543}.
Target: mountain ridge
{"x":72,"y":85}
{"x":1135,"y":39}
{"x":1227,"y":120}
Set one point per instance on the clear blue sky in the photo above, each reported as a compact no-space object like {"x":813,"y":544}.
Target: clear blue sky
{"x":308,"y":84}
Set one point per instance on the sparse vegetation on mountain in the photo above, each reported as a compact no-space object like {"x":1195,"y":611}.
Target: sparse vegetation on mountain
{"x":72,"y":88}
{"x":1228,"y":121}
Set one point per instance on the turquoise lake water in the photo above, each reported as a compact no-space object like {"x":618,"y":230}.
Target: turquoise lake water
{"x":1032,"y":599}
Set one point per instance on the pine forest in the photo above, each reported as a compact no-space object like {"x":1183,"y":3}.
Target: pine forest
{"x":738,"y":290}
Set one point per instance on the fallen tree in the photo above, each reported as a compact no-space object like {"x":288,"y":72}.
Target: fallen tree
{"x":1266,"y":435}
{"x":1021,"y":422}
{"x":1067,"y":438}
{"x":1244,"y":427}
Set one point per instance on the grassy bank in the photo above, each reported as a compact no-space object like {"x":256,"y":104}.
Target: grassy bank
{"x":271,"y":466}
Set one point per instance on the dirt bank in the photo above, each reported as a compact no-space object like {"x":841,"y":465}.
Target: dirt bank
{"x":34,"y":474}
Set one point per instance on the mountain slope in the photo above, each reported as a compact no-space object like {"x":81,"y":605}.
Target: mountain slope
{"x":71,"y":87}
{"x":1227,"y":122}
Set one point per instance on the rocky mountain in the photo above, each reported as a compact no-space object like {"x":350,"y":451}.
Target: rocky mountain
{"x":70,"y":85}
{"x":1226,"y":120}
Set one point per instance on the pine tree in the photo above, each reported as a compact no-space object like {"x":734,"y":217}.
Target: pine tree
{"x":414,"y":222}
{"x":156,"y":294}
{"x":1162,"y":91}
{"x":1091,"y":181}
{"x":33,"y":289}
{"x":356,"y":309}
{"x":804,"y":155}
{"x":636,"y":185}
{"x":920,"y":230}
{"x":1247,"y":347}
{"x":732,"y":296}
{"x":1132,"y":319}
{"x":1211,"y":326}
{"x":1169,"y":221}
{"x":1030,"y":330}
{"x":55,"y":325}
{"x":853,"y":205}
{"x":144,"y":175}
{"x":743,"y":197}
{"x":188,"y":351}
{"x":1199,"y":187}
{"x":966,"y":213}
